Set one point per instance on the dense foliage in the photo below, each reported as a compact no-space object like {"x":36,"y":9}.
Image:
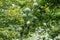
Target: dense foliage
{"x":30,"y":19}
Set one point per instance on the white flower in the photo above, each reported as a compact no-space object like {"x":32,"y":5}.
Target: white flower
{"x":34,"y":0}
{"x":28,"y":22}
{"x":13,"y":5}
{"x":24,"y":15}
{"x":44,"y":24}
{"x":19,"y":29}
{"x":50,"y":39}
{"x":39,"y":32}
{"x":16,"y":39}
{"x":4,"y":21}
{"x":35,"y":4}
{"x":3,"y":10}
{"x":27,"y":10}
{"x":47,"y":30}
{"x":1,"y":19}
{"x":56,"y":38}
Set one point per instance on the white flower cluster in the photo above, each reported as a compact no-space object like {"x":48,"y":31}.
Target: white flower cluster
{"x":34,"y":0}
{"x":35,"y":5}
{"x":27,"y":10}
{"x":19,"y":29}
{"x":44,"y":24}
{"x":13,"y":5}
{"x":57,"y":37}
{"x":40,"y":34}
{"x":2,"y":10}
{"x":28,"y":22}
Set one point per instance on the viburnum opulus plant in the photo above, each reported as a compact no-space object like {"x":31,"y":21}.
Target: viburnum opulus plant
{"x":31,"y":19}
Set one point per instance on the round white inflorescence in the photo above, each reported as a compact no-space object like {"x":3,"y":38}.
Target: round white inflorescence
{"x":27,"y":9}
{"x":44,"y":24}
{"x":2,"y":10}
{"x":28,"y":22}
{"x":35,"y":4}
{"x":57,"y":37}
{"x":19,"y":29}
{"x":13,"y":5}
{"x":34,"y":0}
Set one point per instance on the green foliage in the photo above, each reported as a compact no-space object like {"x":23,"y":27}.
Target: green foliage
{"x":20,"y":18}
